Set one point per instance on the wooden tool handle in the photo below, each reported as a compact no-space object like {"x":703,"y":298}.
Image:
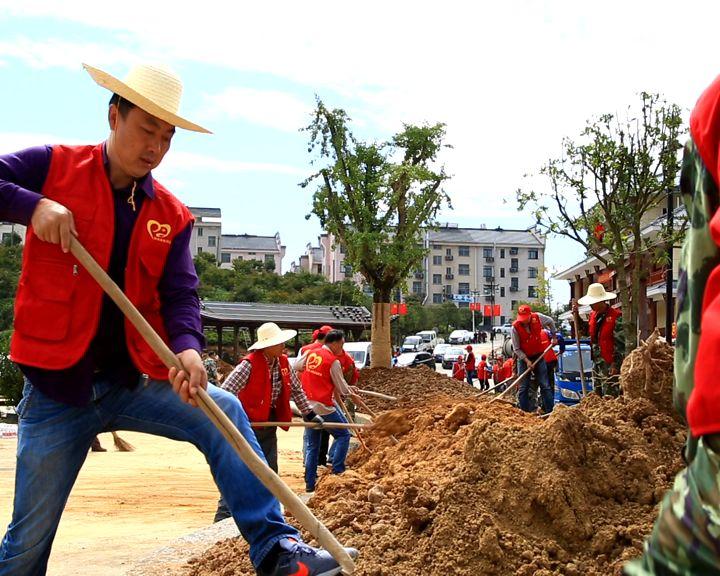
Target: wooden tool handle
{"x":269,"y":479}
{"x":377,"y":395}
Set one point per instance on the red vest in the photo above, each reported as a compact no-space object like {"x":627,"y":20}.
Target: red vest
{"x":470,"y":362}
{"x":606,"y":338}
{"x":550,"y":355}
{"x":530,"y":341}
{"x":319,"y":386}
{"x":256,"y":397}
{"x":481,"y":370}
{"x":57,"y":307}
{"x":304,"y":376}
{"x":508,"y":367}
{"x":350,"y":371}
{"x":458,"y":371}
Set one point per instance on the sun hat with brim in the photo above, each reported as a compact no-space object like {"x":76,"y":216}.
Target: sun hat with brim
{"x":596,"y":293}
{"x":153,"y":88}
{"x":270,"y":334}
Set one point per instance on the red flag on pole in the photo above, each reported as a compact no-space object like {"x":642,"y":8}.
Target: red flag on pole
{"x":488,"y":310}
{"x":496,"y":312}
{"x":403,"y":309}
{"x":393,"y":309}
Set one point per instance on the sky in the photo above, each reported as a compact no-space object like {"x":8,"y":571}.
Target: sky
{"x":509,"y":79}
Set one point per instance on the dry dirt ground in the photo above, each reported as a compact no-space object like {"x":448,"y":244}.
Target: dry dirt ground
{"x":127,"y":504}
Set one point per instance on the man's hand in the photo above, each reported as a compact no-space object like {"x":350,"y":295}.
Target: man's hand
{"x":54,"y":223}
{"x":186,"y":382}
{"x":312,"y":417}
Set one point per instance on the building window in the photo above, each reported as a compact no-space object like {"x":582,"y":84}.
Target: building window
{"x":437,"y":298}
{"x":448,"y":271}
{"x":513,"y":305}
{"x":532,"y":292}
{"x":437,"y":278}
{"x":532,"y":254}
{"x":199,"y":249}
{"x":487,"y":271}
{"x":251,"y":253}
{"x":225,"y":258}
{"x":514,"y":266}
{"x":448,"y":251}
{"x":532,"y":272}
{"x":417,"y":287}
{"x":200,"y":231}
{"x":487,"y":252}
{"x":464,"y":288}
{"x":437,"y":260}
{"x":342,"y":249}
{"x":502,"y":252}
{"x":502,"y":272}
{"x":502,"y":291}
{"x":437,"y":247}
{"x":513,"y":251}
{"x":463,"y":250}
{"x":464,"y":269}
{"x":513,"y":284}
{"x":211,"y":241}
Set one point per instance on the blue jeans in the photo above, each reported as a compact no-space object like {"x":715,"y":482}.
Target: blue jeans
{"x":541,"y":375}
{"x":54,"y":439}
{"x":470,"y":374}
{"x":341,"y":443}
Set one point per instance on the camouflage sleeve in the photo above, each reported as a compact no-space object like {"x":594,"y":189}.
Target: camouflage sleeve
{"x":700,"y":255}
{"x":619,"y":348}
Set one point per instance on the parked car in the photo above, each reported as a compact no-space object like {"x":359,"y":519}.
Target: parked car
{"x":504,"y":329}
{"x":411,"y":344}
{"x":451,"y":355}
{"x":460,"y":337}
{"x":439,"y":351}
{"x":429,"y":339}
{"x":568,"y":387}
{"x":415,"y":359}
{"x":360,"y":352}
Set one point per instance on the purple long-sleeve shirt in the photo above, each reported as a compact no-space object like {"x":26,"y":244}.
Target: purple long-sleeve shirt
{"x":22,"y":176}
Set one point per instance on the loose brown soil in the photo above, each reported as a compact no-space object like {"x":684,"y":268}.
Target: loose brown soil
{"x":478,"y":488}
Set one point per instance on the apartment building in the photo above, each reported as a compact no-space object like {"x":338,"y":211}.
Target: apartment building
{"x":326,"y":259}
{"x":206,"y":231}
{"x":498,"y":267}
{"x":248,"y":247}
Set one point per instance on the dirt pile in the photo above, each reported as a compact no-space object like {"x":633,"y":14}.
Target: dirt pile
{"x":478,"y":488}
{"x":647,"y":372}
{"x":410,"y":386}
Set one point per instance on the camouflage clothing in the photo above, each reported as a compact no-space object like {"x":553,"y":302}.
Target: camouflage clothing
{"x":604,"y":383}
{"x":211,"y":369}
{"x":686,"y":537}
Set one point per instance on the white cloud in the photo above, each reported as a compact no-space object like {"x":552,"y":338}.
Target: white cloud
{"x":53,"y":52}
{"x":271,"y":108}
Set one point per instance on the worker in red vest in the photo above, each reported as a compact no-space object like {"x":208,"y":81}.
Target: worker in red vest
{"x":264,"y":382}
{"x":324,"y":384}
{"x":607,"y":338}
{"x":318,"y":336}
{"x":82,"y":361}
{"x":470,"y":369}
{"x":458,"y":369}
{"x":482,"y":373}
{"x":527,"y":340}
{"x":551,"y":359}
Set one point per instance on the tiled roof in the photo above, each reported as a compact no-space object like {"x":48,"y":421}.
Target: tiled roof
{"x":484,"y":236}
{"x":248,"y":242}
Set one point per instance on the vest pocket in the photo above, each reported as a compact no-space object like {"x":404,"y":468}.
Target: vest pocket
{"x":44,"y":310}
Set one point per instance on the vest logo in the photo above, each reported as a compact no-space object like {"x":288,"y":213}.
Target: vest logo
{"x":313,"y":362}
{"x":158,"y":231}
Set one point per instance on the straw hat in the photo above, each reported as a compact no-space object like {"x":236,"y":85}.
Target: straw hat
{"x":270,"y":334}
{"x":596,"y":293}
{"x":153,"y":88}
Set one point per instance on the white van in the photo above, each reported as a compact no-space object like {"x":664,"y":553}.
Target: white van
{"x":460,"y":337}
{"x":360,"y":352}
{"x":429,"y":339}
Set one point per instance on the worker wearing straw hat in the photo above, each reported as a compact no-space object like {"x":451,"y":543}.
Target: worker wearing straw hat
{"x":81,"y":361}
{"x":265,"y":383}
{"x":607,"y":339}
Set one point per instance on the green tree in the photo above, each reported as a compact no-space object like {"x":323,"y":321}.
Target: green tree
{"x":376,"y":198}
{"x":603,"y":185}
{"x":11,"y":380}
{"x":10,"y":264}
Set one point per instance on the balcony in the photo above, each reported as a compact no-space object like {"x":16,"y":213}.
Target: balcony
{"x":449,"y":257}
{"x":489,"y":279}
{"x":489,"y":259}
{"x":514,"y":270}
{"x":449,"y":276}
{"x":514,"y":288}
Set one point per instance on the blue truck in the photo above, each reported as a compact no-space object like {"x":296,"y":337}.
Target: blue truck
{"x":568,"y":388}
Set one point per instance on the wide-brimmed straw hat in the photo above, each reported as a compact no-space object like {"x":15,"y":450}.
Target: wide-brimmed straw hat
{"x":270,"y":334}
{"x":154,"y":88}
{"x":596,"y":293}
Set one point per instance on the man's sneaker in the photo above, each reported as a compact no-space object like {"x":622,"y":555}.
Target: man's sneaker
{"x":296,"y":558}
